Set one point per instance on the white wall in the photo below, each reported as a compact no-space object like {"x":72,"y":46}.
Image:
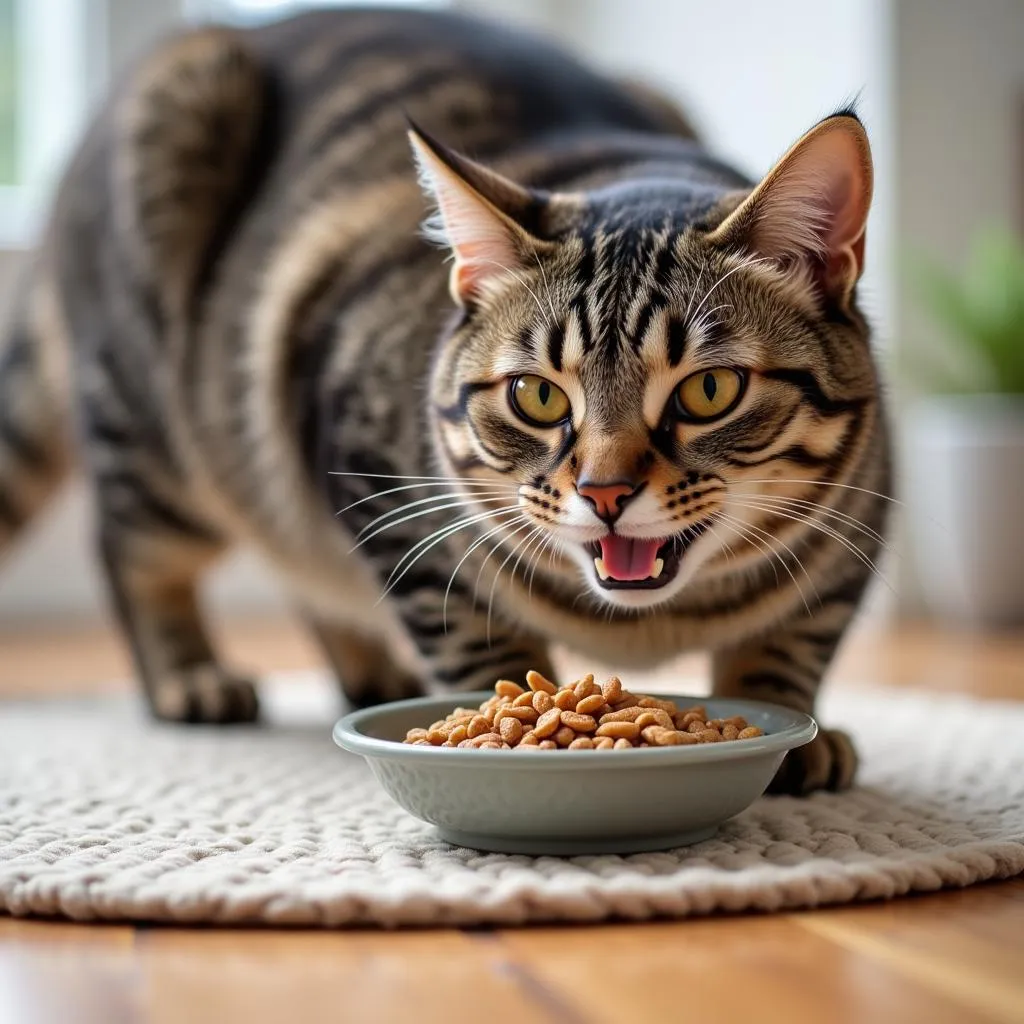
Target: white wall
{"x":942,"y":93}
{"x":960,"y":98}
{"x":755,"y":75}
{"x":960,"y":158}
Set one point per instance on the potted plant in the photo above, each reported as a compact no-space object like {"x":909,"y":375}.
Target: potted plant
{"x":964,"y":454}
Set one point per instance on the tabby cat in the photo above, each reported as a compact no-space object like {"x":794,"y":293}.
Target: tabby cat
{"x":637,"y":414}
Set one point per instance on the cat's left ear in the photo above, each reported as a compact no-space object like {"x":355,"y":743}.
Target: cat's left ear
{"x":812,"y":207}
{"x":482,"y":217}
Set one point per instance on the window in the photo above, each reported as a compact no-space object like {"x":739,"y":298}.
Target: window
{"x":43,"y":102}
{"x":248,"y":12}
{"x":8,"y":99}
{"x":55,"y":60}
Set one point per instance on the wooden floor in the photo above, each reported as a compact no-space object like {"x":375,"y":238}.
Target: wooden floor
{"x":953,"y":957}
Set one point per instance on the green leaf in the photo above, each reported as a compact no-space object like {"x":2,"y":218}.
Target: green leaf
{"x":981,"y":311}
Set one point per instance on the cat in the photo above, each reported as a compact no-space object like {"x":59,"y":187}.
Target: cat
{"x":637,"y":413}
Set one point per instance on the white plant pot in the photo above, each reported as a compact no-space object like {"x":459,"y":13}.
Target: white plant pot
{"x":964,"y":489}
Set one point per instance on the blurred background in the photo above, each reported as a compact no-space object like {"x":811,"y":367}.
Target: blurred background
{"x":941,"y":89}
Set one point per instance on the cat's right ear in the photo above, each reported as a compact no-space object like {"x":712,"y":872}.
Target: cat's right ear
{"x":812,"y":208}
{"x":481,"y":216}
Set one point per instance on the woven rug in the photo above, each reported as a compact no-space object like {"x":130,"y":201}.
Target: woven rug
{"x":104,"y":815}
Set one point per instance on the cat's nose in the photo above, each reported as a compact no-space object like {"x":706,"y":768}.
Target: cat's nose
{"x":608,"y":499}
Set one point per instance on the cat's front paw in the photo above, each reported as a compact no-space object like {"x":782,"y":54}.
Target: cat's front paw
{"x":829,"y":761}
{"x":389,"y":684}
{"x":204,"y":694}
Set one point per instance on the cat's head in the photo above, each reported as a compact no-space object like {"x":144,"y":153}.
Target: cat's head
{"x":642,"y":371}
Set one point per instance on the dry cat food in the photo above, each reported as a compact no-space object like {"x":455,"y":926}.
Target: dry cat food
{"x":581,"y":716}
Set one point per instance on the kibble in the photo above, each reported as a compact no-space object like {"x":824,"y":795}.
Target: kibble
{"x":564,"y":736}
{"x":511,"y":731}
{"x":578,"y":722}
{"x":539,"y":684}
{"x":619,"y":730}
{"x":579,"y":716}
{"x":590,"y":704}
{"x":542,"y":702}
{"x":612,"y":689}
{"x":565,"y":700}
{"x":548,"y":723}
{"x":478,"y":726}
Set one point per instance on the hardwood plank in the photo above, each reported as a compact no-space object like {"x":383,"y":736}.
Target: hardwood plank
{"x":49,"y":660}
{"x":966,"y":945}
{"x":436,"y":977}
{"x":54,"y":973}
{"x":767,"y":969}
{"x":948,"y":957}
{"x":49,"y":935}
{"x":935,"y":657}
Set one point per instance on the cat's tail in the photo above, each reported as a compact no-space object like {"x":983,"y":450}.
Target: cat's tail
{"x":34,"y":412}
{"x":187,"y":132}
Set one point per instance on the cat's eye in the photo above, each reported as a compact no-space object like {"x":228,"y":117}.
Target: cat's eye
{"x":710,"y":393}
{"x":538,"y":401}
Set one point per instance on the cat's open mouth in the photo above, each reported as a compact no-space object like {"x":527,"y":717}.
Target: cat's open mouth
{"x":629,"y":563}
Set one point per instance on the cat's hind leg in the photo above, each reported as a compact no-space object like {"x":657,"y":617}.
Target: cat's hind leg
{"x":34,"y":435}
{"x":154,"y":556}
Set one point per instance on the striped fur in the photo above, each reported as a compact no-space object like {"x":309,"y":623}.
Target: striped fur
{"x":237,"y":313}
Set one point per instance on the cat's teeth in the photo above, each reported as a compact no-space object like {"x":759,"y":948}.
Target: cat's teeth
{"x":659,"y":564}
{"x":601,"y":570}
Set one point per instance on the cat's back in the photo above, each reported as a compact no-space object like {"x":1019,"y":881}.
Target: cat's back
{"x":218,"y":140}
{"x":477,"y":81}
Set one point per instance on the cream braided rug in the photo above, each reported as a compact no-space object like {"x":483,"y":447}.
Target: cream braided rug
{"x":106,"y":816}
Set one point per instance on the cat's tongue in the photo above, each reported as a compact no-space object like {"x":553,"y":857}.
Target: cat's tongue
{"x":626,"y":558}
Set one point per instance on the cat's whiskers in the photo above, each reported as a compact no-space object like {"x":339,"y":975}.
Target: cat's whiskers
{"x":490,"y":554}
{"x":469,"y":551}
{"x":415,"y":553}
{"x":547,"y":288}
{"x":704,"y":323}
{"x":549,"y":545}
{"x":693,"y":293}
{"x":439,"y":483}
{"x":461,"y":503}
{"x":801,"y":505}
{"x":409,"y":476}
{"x":750,"y":261}
{"x":536,"y":547}
{"x":556,"y":548}
{"x":823,"y":528}
{"x":819,"y":483}
{"x":519,"y":278}
{"x":729,"y":553}
{"x":770,"y":540}
{"x":730,"y":523}
{"x":436,"y":502}
{"x":494,"y":583}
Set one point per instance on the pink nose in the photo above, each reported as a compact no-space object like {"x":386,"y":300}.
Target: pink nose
{"x":608,"y":500}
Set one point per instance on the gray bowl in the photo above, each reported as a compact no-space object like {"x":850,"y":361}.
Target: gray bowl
{"x":572,"y":802}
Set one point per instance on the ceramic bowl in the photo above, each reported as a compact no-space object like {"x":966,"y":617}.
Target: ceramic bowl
{"x":562,"y":802}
